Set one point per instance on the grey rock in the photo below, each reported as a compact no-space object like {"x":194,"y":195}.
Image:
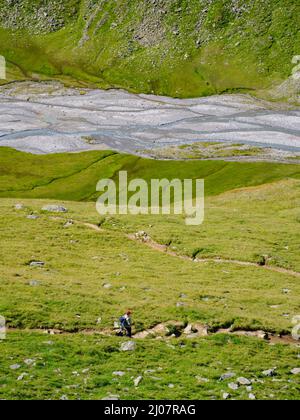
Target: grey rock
{"x":252,"y":397}
{"x":29,"y":362}
{"x":269,"y":372}
{"x":227,"y":376}
{"x":233,"y":386}
{"x":226,"y":396}
{"x":34,"y":283}
{"x":22,"y":376}
{"x":37,"y":264}
{"x":244,"y":381}
{"x":128,"y":346}
{"x":15,"y":367}
{"x":69,"y":224}
{"x":55,"y":209}
{"x":137,"y":381}
{"x":32,"y":217}
{"x":119,"y":373}
{"x":19,"y":206}
{"x":295,"y":371}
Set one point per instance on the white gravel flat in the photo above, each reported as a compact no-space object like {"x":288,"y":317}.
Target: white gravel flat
{"x":48,"y":118}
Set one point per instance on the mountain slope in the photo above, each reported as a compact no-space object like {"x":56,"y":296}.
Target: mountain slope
{"x":173,"y":47}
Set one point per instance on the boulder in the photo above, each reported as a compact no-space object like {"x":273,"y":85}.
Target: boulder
{"x":227,"y":376}
{"x":269,"y":372}
{"x":55,"y":209}
{"x":244,"y":381}
{"x":128,"y":346}
{"x":233,"y":386}
{"x":137,"y":381}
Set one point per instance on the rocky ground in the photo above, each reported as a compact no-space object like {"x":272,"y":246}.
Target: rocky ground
{"x":48,"y":118}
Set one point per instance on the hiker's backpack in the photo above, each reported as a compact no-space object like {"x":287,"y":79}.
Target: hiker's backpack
{"x":123,"y":321}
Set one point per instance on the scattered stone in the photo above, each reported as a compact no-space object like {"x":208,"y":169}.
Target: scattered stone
{"x":107,"y":285}
{"x":64,"y":398}
{"x":128,"y":346}
{"x":36,"y":264}
{"x":180,"y":304}
{"x":119,"y":373}
{"x":286,"y":291}
{"x":84,"y":371}
{"x":295,"y":371}
{"x":233,"y":386}
{"x":22,"y":376}
{"x":171,"y":386}
{"x":188,"y":329}
{"x":19,"y":206}
{"x":55,"y":209}
{"x":29,"y":362}
{"x":249,"y":388}
{"x":69,"y":224}
{"x":142,"y":236}
{"x":15,"y":367}
{"x":32,"y":217}
{"x":252,"y":397}
{"x":34,"y":283}
{"x":202,"y":380}
{"x":226,"y":396}
{"x":137,"y":381}
{"x":227,"y":376}
{"x":244,"y":381}
{"x":48,"y":343}
{"x":111,"y":398}
{"x":269,"y":372}
{"x":99,"y":320}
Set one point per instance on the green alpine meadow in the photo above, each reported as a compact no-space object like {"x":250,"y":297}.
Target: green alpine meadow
{"x":120,"y":122}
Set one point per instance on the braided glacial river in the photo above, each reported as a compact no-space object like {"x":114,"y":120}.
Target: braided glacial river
{"x":48,"y":118}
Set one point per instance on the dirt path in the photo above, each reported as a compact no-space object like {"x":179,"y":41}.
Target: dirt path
{"x":162,"y":331}
{"x":218,"y":260}
{"x":165,"y":249}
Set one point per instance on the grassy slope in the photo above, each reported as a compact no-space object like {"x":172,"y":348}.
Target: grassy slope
{"x":79,"y":261}
{"x":74,"y":176}
{"x":187,"y":51}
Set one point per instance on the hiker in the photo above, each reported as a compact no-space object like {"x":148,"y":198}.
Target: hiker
{"x":125,"y":323}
